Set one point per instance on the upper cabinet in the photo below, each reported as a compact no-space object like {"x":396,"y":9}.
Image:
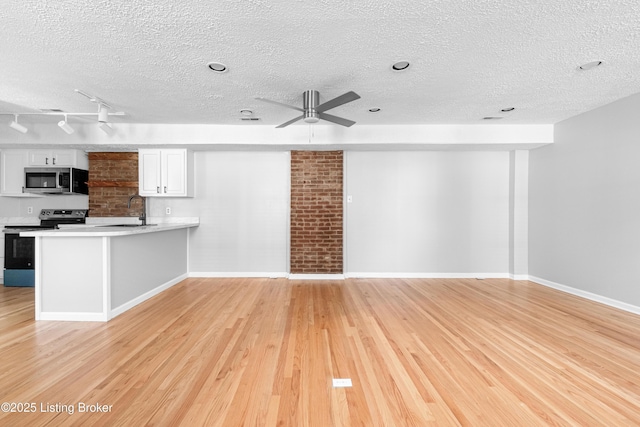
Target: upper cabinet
{"x":165,"y":172}
{"x":71,"y":158}
{"x":13,"y":162}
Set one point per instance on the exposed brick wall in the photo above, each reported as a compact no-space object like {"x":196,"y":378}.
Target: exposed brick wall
{"x":316,"y":212}
{"x":113,"y":178}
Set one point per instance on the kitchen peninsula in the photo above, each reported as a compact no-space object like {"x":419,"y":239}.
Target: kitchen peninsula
{"x":96,"y":273}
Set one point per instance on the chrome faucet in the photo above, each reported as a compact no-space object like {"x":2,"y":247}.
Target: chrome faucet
{"x":143,"y":215}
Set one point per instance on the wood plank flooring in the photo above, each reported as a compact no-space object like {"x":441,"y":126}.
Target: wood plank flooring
{"x":263,"y":352}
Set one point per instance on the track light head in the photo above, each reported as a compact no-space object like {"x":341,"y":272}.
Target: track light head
{"x":103,"y":113}
{"x":106,"y":128}
{"x":17,"y":126}
{"x":65,"y":126}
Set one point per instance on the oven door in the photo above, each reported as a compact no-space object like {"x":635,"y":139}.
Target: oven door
{"x":19,"y":252}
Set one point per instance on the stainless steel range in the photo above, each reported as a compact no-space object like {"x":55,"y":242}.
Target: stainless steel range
{"x":19,"y":252}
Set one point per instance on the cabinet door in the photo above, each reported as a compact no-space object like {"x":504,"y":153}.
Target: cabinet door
{"x":64,"y":158}
{"x":149,"y":172}
{"x":174,"y":167}
{"x":54,"y":158}
{"x":12,"y":165}
{"x":40,"y":158}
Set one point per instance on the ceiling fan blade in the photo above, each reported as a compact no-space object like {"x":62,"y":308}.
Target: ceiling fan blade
{"x":280,"y":104}
{"x":335,"y":102}
{"x":335,"y":119}
{"x":290,"y":122}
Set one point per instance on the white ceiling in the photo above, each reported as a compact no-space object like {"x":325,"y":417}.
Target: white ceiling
{"x":469,"y":59}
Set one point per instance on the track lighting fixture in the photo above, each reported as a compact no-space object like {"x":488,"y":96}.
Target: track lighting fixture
{"x":65,"y":126}
{"x":103,"y":116}
{"x":103,"y":113}
{"x":17,"y":126}
{"x":106,"y":128}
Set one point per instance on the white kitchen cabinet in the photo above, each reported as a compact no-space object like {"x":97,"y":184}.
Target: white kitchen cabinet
{"x":165,"y":173}
{"x":12,"y":163}
{"x":62,"y":158}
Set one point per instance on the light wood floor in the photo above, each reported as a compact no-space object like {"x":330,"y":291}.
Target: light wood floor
{"x":263,"y":352}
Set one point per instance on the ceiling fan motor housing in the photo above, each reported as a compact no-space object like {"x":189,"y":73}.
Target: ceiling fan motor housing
{"x":310,"y":100}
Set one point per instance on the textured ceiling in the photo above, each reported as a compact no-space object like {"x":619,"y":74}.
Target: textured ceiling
{"x":469,"y":59}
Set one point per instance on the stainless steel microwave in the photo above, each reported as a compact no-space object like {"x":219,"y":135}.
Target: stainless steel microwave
{"x":56,"y":181}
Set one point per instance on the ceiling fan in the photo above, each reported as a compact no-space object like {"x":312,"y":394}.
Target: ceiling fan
{"x":312,"y":112}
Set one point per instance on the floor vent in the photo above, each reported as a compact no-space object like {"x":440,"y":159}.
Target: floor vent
{"x":342,"y":382}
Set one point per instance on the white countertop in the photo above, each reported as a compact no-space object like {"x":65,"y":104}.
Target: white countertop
{"x":19,"y":220}
{"x":108,"y":228}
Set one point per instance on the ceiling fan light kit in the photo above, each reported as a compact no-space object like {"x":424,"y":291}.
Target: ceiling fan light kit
{"x":312,"y":111}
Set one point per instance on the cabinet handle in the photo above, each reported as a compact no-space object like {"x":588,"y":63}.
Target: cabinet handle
{"x":158,"y":190}
{"x":46,"y":160}
{"x":165,"y":188}
{"x":54,"y":160}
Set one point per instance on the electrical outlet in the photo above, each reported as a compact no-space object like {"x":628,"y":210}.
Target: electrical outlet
{"x":168,"y":210}
{"x":30,"y":209}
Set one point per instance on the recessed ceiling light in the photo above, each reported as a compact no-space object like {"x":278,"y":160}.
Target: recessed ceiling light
{"x":590,"y":65}
{"x":246,"y":112}
{"x":491,"y":118}
{"x":507,"y":110}
{"x":400,"y":66}
{"x":217,"y":67}
{"x":374,"y":110}
{"x":249,"y":119}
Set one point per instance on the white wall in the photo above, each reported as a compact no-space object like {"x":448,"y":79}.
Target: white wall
{"x":427,"y":213}
{"x":519,"y":214}
{"x":17,"y":206}
{"x":242,"y":199}
{"x":584,"y":204}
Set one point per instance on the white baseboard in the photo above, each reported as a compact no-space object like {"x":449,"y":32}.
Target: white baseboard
{"x":215,"y":274}
{"x":587,"y":295}
{"x":316,"y":276}
{"x":153,"y":292}
{"x":73,"y":317}
{"x":518,"y":276}
{"x":396,"y":275}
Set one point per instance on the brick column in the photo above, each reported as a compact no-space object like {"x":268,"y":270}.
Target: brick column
{"x":113,"y":178}
{"x":316,"y":212}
